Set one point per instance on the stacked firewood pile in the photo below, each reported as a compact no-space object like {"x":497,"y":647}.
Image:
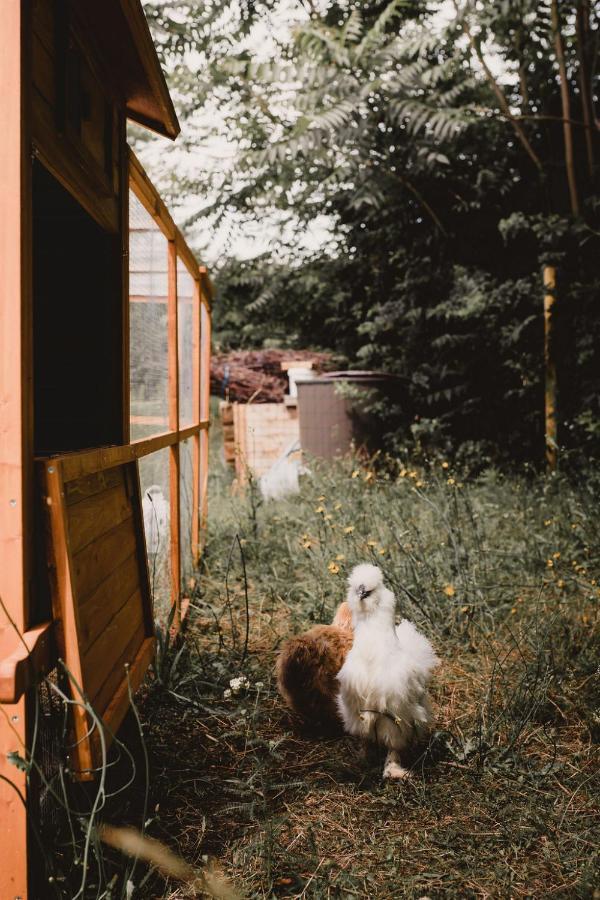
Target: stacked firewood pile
{"x":256,"y":376}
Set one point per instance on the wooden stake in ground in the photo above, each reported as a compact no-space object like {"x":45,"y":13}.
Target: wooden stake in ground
{"x":551,"y":432}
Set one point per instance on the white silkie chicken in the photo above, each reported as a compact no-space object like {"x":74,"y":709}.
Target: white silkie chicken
{"x":383,"y":683}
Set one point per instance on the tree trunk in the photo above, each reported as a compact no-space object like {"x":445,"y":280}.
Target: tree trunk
{"x":566,"y":108}
{"x":583,"y":33}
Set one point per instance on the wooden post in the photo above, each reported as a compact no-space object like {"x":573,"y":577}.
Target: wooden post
{"x":16,"y":433}
{"x":196,"y":341}
{"x":124,"y":215}
{"x":204,"y":414}
{"x":173,"y":334}
{"x":551,"y":431}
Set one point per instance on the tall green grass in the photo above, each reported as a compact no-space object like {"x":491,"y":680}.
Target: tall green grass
{"x":501,"y":572}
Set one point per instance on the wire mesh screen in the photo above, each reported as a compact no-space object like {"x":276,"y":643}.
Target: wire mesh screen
{"x":148,"y":349}
{"x":154,"y":481}
{"x":186,"y":510}
{"x":50,"y":753}
{"x":185,"y":300}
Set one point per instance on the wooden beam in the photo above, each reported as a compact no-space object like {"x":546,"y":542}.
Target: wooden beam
{"x":64,"y":608}
{"x":550,"y":392}
{"x":207,"y":286}
{"x":23,"y":658}
{"x":16,"y":463}
{"x":196,"y":415}
{"x":86,"y":462}
{"x":205,"y":335}
{"x":187,"y":257}
{"x":149,"y":196}
{"x":125,"y":337}
{"x":174,"y":518}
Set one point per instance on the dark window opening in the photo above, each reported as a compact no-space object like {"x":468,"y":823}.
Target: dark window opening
{"x":77,"y":324}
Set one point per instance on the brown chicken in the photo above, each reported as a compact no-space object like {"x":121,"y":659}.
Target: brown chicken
{"x":307,"y":666}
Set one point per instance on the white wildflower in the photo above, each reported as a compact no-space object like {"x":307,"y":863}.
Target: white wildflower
{"x":227,"y":694}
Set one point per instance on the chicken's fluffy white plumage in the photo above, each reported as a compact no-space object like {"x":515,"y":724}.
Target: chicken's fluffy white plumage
{"x":383,"y":683}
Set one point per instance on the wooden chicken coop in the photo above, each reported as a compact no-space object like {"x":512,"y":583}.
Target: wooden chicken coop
{"x":104,"y":388}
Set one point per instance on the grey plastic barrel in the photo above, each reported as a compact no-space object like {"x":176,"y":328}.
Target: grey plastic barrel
{"x":332,"y":412}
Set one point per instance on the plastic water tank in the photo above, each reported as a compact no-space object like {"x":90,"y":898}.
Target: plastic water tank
{"x":333,"y":410}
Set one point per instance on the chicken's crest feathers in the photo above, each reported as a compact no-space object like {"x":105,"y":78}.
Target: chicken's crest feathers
{"x":367,"y":575}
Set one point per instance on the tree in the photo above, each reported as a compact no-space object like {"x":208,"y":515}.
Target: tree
{"x":451,"y":157}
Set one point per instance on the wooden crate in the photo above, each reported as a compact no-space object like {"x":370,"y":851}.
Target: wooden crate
{"x":263,"y":431}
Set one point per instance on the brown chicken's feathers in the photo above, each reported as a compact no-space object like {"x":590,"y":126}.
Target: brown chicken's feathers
{"x":307,"y":668}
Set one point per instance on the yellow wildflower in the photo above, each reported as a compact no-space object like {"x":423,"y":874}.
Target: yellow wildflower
{"x":550,"y":563}
{"x":381,"y":551}
{"x":328,"y":516}
{"x":371,"y":543}
{"x":369,"y":476}
{"x":333,"y":568}
{"x":451,"y":481}
{"x":321,"y":498}
{"x":556,"y":555}
{"x":463,"y":609}
{"x":513,"y":610}
{"x":449,"y":591}
{"x":547,"y":522}
{"x":445,"y":465}
{"x":356,"y":473}
{"x":320,"y":509}
{"x":338,"y":506}
{"x":560,"y":583}
{"x":349,"y":529}
{"x":419,"y":484}
{"x":340,"y":557}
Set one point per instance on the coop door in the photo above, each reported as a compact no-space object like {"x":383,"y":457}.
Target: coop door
{"x":100,"y":594}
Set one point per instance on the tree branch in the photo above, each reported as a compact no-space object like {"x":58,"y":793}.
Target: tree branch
{"x":499,"y":93}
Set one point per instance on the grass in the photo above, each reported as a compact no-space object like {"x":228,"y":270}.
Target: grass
{"x":500,"y":572}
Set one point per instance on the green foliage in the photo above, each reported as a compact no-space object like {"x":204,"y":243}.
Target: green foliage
{"x":437,"y":153}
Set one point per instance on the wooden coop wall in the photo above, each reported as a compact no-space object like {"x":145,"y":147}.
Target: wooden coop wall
{"x":108,"y":577}
{"x":71,"y":73}
{"x":262,"y":433}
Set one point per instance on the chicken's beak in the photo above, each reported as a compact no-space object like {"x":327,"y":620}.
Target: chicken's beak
{"x":362,"y":592}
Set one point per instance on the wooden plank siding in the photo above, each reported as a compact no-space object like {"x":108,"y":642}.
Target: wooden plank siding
{"x":70,"y":74}
{"x":16,"y":431}
{"x":100,"y":588}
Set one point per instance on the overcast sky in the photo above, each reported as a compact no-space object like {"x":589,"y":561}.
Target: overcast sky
{"x":216,"y":153}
